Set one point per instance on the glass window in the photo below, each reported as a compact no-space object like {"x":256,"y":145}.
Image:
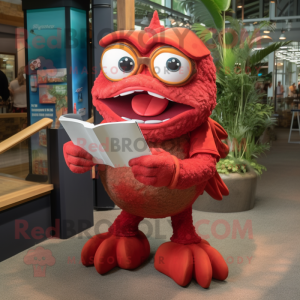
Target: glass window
{"x":286,"y":7}
{"x":249,"y":8}
{"x":160,"y":2}
{"x":266,"y":8}
{"x":18,"y":173}
{"x":8,"y":65}
{"x":287,"y":92}
{"x":252,"y":9}
{"x":177,"y":7}
{"x":169,"y":17}
{"x":144,"y":12}
{"x":260,"y":8}
{"x":115,"y":15}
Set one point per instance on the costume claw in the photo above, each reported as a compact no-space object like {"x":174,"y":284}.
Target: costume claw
{"x":106,"y":251}
{"x":182,"y":262}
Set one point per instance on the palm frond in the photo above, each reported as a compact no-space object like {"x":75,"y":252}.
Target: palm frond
{"x":259,"y":55}
{"x":235,"y":24}
{"x":207,"y":12}
{"x":223,"y":5}
{"x":202,"y":32}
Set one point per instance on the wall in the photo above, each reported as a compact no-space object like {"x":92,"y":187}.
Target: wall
{"x":7,"y":39}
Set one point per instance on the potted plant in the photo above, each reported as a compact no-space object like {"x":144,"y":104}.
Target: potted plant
{"x":239,"y":109}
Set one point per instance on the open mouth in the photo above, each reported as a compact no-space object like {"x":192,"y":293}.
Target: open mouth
{"x":144,"y":106}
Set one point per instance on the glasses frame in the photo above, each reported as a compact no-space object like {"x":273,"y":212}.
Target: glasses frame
{"x":141,"y":61}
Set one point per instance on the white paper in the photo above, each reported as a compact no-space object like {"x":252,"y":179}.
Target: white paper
{"x":113,"y":144}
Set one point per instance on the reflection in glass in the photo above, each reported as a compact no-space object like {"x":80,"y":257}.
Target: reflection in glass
{"x":23,"y":167}
{"x":169,"y":11}
{"x":286,"y":8}
{"x":287,"y":87}
{"x":8,"y":66}
{"x":144,"y":12}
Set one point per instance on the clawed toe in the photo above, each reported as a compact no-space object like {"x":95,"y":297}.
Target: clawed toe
{"x":89,"y":250}
{"x":182,"y":262}
{"x":106,"y":251}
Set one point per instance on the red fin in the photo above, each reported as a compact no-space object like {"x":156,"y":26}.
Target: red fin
{"x":155,"y":25}
{"x":215,"y":187}
{"x":222,"y":134}
{"x":213,"y":190}
{"x":219,"y":133}
{"x":222,"y":186}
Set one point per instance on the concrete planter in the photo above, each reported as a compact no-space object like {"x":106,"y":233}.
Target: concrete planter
{"x":242,"y":190}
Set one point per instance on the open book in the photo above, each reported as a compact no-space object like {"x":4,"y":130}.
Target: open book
{"x":112,"y":144}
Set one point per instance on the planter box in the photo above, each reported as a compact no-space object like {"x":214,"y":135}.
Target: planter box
{"x":242,"y":190}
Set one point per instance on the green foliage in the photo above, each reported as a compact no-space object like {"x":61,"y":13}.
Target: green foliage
{"x":206,"y":10}
{"x":242,"y":115}
{"x":60,"y":103}
{"x":258,"y":168}
{"x":204,"y":34}
{"x":223,"y":4}
{"x":64,"y":78}
{"x":239,"y":109}
{"x":227,"y":166}
{"x":60,"y":92}
{"x":233,"y":165}
{"x":259,"y":55}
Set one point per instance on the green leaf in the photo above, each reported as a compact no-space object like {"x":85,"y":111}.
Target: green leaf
{"x":230,"y":60}
{"x":223,"y":4}
{"x":202,"y":32}
{"x":215,"y":12}
{"x":259,"y":55}
{"x":206,"y":10}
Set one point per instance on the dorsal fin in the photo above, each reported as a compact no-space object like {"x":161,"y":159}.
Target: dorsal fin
{"x":155,"y":25}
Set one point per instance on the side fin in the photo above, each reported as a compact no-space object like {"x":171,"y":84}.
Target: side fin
{"x":215,"y":186}
{"x":219,"y":134}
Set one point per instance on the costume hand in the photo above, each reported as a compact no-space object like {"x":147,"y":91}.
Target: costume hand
{"x":78,"y":160}
{"x":156,"y":169}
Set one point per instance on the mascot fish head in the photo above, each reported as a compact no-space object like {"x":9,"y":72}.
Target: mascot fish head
{"x":164,"y":78}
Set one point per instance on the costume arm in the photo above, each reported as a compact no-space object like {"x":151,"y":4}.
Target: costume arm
{"x":198,"y":169}
{"x":159,"y":169}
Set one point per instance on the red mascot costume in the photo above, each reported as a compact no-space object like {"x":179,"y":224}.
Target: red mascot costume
{"x":165,"y":80}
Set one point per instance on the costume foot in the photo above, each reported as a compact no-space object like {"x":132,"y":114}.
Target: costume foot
{"x":182,"y":262}
{"x":106,"y":251}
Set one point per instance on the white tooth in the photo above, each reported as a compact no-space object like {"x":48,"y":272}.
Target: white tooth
{"x":152,"y":122}
{"x":127,"y":119}
{"x":170,"y":100}
{"x":156,"y":95}
{"x":138,"y":121}
{"x":139,"y":90}
{"x":127,"y":93}
{"x":166,"y":120}
{"x":116,"y":96}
